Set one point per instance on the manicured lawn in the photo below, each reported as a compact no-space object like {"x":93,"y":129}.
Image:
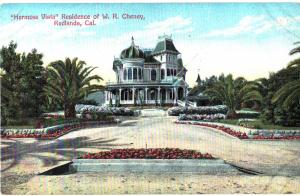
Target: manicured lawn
{"x":47,"y":122}
{"x":259,"y":124}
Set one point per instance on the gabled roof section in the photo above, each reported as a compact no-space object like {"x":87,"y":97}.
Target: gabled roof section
{"x":180,"y":82}
{"x":165,"y":45}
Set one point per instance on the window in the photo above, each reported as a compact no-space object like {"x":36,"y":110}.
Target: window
{"x":130,"y":94}
{"x":175,"y":72}
{"x":172,"y":73}
{"x":140,"y":74}
{"x":171,"y":94}
{"x":162,"y":74}
{"x":153,"y":74}
{"x":168,"y":72}
{"x":134,"y":73}
{"x":125,"y":74}
{"x":130,"y":74}
{"x":160,"y":57}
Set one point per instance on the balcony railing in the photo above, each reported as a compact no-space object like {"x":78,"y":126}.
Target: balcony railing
{"x":171,"y":80}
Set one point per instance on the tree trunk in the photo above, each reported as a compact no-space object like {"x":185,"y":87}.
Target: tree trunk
{"x":231,"y":114}
{"x":69,"y":111}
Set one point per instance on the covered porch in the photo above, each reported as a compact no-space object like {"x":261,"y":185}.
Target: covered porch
{"x":146,"y":95}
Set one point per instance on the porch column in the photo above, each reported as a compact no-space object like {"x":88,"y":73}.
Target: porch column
{"x":120,"y":95}
{"x":167,"y":99}
{"x":175,"y":95}
{"x":133,"y":95}
{"x":146,"y":96}
{"x":158,"y":96}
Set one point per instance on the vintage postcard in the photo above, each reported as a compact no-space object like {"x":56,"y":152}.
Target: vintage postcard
{"x":150,"y":98}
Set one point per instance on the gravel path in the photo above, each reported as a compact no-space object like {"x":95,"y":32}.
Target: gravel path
{"x":23,"y":159}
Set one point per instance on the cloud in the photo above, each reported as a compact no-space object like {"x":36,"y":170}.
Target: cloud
{"x":254,"y":24}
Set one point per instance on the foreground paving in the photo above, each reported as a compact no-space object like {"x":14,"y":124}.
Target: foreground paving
{"x":23,"y":159}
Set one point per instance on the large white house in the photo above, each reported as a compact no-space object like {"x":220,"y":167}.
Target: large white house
{"x":145,"y":77}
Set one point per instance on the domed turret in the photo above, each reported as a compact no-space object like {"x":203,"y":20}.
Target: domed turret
{"x":132,"y":52}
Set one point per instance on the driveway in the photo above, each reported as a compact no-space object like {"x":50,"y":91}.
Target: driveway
{"x":23,"y":159}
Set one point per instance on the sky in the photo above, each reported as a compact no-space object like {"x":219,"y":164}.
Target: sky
{"x":245,"y":39}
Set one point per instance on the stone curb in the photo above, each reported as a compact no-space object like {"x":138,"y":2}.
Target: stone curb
{"x":202,"y":166}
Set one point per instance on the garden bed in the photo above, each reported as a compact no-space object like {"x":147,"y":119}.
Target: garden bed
{"x":252,"y":134}
{"x":208,"y":110}
{"x":50,"y":132}
{"x":149,"y":153}
{"x":151,"y":160}
{"x":104,"y":110}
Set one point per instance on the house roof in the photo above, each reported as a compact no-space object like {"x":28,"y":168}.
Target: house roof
{"x":149,"y":58}
{"x":166,"y":45}
{"x":198,"y":79}
{"x":132,"y":51}
{"x":196,"y":94}
{"x":117,"y":63}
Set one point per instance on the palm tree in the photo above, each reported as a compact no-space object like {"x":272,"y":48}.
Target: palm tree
{"x":70,"y":82}
{"x":289,"y":94}
{"x":234,"y":92}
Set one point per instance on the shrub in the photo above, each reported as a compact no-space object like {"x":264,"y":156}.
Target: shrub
{"x":218,"y":109}
{"x":102,"y":111}
{"x":204,"y":117}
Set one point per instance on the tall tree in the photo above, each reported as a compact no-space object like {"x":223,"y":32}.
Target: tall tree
{"x":289,"y":94}
{"x":233,"y":92}
{"x":22,"y":79}
{"x":69,"y":82}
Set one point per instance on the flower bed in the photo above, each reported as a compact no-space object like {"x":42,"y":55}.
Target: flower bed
{"x":103,"y":110}
{"x":204,"y":117}
{"x":254,"y":134}
{"x":150,"y":153}
{"x":208,"y":110}
{"x":227,"y":130}
{"x":49,"y":132}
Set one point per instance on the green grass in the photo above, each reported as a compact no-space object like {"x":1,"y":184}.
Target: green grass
{"x":19,"y":126}
{"x":259,"y":124}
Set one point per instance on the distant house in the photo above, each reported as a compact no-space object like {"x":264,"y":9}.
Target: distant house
{"x":196,"y":94}
{"x":97,"y":97}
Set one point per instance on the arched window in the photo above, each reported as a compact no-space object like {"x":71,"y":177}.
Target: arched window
{"x":153,"y":74}
{"x":125,"y":74}
{"x":162,"y":74}
{"x":130,"y":74}
{"x":168,"y":72}
{"x":172,"y":73}
{"x":175,"y":72}
{"x":134,"y":73}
